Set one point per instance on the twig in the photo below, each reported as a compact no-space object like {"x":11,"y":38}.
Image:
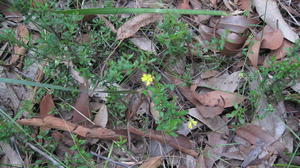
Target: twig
{"x":110,"y":160}
{"x":107,"y":58}
{"x":54,"y":162}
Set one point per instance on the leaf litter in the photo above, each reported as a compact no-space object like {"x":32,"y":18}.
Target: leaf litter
{"x":215,"y":139}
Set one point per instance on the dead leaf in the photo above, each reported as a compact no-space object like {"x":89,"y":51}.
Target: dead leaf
{"x":254,"y":133}
{"x":237,"y":24}
{"x":158,"y":149}
{"x":190,"y":161}
{"x":214,"y":3}
{"x":209,"y":74}
{"x":82,"y":112}
{"x":185,"y":4}
{"x":210,"y":104}
{"x":46,"y":105}
{"x":234,"y":41}
{"x":225,"y":82}
{"x":215,"y":124}
{"x":19,"y":51}
{"x":253,"y":52}
{"x":205,"y":32}
{"x":253,"y":154}
{"x":272,"y":38}
{"x":154,"y":162}
{"x":296,"y":87}
{"x":130,"y":27}
{"x":10,"y":13}
{"x":244,"y":4}
{"x":215,"y":98}
{"x":209,"y":111}
{"x":144,"y":43}
{"x":101,"y":117}
{"x":281,"y":51}
{"x":154,"y":112}
{"x":270,"y":13}
{"x":135,"y":102}
{"x":213,"y":150}
{"x":11,"y":157}
{"x":271,"y":121}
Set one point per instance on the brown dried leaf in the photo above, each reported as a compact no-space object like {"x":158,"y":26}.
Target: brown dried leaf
{"x":254,"y":133}
{"x":281,"y":51}
{"x":46,"y":105}
{"x":210,"y":112}
{"x":82,"y":105}
{"x":214,"y":149}
{"x":154,"y":112}
{"x":19,"y":51}
{"x":11,"y":157}
{"x":233,"y":40}
{"x":226,"y":82}
{"x":270,"y":13}
{"x":152,"y":162}
{"x":253,"y":53}
{"x":205,"y":32}
{"x":10,"y":13}
{"x":209,"y":74}
{"x":215,"y":124}
{"x":129,"y":28}
{"x":237,"y":24}
{"x":296,"y":87}
{"x":135,"y":102}
{"x":185,"y":4}
{"x":272,"y":38}
{"x":101,"y":117}
{"x":214,"y":3}
{"x":217,"y":98}
{"x":244,"y":4}
{"x":144,"y":43}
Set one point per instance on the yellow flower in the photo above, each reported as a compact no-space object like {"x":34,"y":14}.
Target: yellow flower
{"x":192,"y":123}
{"x":147,"y":79}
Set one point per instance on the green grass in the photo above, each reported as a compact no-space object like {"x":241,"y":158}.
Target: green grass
{"x":124,"y":64}
{"x":140,"y":11}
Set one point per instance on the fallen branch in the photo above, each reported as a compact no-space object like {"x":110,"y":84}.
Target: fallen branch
{"x":60,"y":124}
{"x":180,"y":142}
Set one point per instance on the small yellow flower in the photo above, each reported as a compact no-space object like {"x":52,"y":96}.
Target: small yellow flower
{"x":192,"y":123}
{"x":147,"y":79}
